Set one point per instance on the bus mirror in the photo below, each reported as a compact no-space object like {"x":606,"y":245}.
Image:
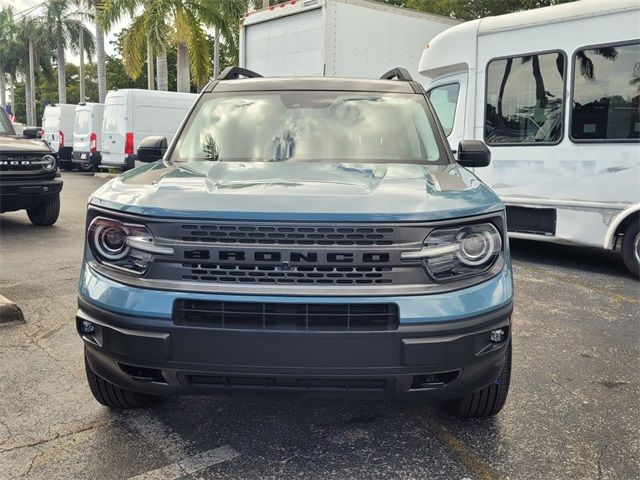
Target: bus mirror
{"x":473,"y":154}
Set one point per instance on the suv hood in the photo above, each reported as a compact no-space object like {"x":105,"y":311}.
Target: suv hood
{"x":20,"y":144}
{"x":298,"y":191}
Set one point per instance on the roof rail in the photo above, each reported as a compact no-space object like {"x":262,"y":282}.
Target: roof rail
{"x":234,"y":73}
{"x":397,"y":73}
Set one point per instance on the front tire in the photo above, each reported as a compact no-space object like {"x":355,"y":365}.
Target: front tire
{"x":46,"y":214}
{"x":112,"y":396}
{"x":631,"y":248}
{"x":486,"y":402}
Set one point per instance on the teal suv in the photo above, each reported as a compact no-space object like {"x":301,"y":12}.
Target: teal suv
{"x":300,"y":235}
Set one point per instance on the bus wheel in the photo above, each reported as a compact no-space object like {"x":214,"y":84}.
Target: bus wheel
{"x":631,"y":247}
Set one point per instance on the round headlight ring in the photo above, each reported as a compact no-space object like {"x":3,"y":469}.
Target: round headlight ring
{"x":109,"y":238}
{"x":478,"y":247}
{"x":49,"y":163}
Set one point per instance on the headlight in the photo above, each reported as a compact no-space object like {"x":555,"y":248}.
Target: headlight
{"x":48,"y":163}
{"x":452,"y":253}
{"x":123,"y":246}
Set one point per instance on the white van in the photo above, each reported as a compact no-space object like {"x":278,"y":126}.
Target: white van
{"x":87,"y":129}
{"x":131,"y":115}
{"x":57,"y":125}
{"x":554,"y":93}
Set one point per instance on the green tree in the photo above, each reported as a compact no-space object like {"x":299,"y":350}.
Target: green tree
{"x":472,"y":9}
{"x":62,"y":26}
{"x":181,"y":22}
{"x":7,"y":43}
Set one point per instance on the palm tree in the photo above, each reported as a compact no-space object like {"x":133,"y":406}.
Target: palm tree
{"x":182,"y":21}
{"x":30,"y":53}
{"x":7,"y":43}
{"x":63,"y":23}
{"x":97,"y":7}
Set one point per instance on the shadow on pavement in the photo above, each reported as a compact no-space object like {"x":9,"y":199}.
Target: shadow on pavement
{"x":587,"y":259}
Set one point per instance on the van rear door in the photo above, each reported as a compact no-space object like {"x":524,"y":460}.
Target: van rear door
{"x":81,"y":132}
{"x":113,"y":132}
{"x":51,"y":127}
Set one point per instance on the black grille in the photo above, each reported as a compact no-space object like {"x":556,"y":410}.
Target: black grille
{"x":10,"y":162}
{"x":287,"y":316}
{"x":290,"y":383}
{"x":298,"y":275}
{"x":287,"y":235}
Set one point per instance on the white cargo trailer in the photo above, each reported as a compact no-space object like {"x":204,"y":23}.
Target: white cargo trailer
{"x":336,"y":38}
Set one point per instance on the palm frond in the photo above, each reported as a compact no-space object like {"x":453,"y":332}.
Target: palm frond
{"x":199,"y":49}
{"x":133,"y":46}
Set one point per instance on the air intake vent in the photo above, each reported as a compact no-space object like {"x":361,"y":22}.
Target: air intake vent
{"x":287,"y":316}
{"x":287,"y":235}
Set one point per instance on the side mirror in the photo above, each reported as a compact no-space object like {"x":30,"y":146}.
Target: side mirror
{"x":31,"y":132}
{"x":473,"y":153}
{"x":152,"y":149}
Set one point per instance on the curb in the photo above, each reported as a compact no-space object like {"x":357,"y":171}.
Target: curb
{"x":10,"y":313}
{"x":105,"y":175}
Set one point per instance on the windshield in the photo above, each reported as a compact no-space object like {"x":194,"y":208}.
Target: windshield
{"x":5,"y":126}
{"x":311,"y":126}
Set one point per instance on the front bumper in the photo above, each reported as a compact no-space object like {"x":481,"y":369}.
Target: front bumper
{"x":153,"y":354}
{"x":25,"y":194}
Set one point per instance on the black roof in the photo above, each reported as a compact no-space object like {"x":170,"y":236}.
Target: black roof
{"x":311,"y":83}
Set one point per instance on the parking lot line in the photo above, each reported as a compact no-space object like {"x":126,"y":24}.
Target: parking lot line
{"x":477,"y":466}
{"x":190,"y":465}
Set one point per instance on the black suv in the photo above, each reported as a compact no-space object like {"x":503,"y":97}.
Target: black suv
{"x":29,"y":176}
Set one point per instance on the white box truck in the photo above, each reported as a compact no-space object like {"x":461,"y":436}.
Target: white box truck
{"x":336,"y":38}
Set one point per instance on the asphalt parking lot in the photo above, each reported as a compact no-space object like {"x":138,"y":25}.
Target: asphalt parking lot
{"x":573,"y":410}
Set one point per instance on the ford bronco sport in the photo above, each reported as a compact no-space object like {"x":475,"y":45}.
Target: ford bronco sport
{"x":29,"y":176}
{"x":300,"y":235}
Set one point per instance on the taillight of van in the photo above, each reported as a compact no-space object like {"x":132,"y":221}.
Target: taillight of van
{"x":93,"y":141}
{"x":61,"y":135}
{"x":128,"y":143}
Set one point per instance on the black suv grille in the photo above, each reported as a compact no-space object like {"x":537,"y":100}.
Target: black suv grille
{"x":19,"y":162}
{"x":287,"y":316}
{"x":329,"y":275}
{"x":287,"y":235}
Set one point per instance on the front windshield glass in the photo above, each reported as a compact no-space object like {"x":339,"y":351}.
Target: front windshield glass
{"x":5,"y":126}
{"x":304,"y":126}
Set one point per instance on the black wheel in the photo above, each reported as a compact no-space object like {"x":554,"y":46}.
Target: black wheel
{"x":487,"y":401}
{"x":631,"y":247}
{"x":46,"y":214}
{"x":85,"y":167}
{"x":113,"y":396}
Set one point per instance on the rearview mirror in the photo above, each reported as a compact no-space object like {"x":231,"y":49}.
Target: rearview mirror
{"x":473,"y":154}
{"x":31,"y":132}
{"x":152,"y":149}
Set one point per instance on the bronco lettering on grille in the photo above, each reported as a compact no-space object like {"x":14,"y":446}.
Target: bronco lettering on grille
{"x":289,"y":257}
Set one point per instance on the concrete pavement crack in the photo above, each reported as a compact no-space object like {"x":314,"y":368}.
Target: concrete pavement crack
{"x":599,"y":462}
{"x":56,"y":436}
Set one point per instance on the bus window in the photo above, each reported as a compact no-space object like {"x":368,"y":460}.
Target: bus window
{"x":444,"y":99}
{"x":605,"y":94}
{"x":524,"y":100}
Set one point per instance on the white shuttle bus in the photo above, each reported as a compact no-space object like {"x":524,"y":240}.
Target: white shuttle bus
{"x":554,"y":93}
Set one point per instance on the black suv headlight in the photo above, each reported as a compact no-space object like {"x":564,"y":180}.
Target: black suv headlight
{"x":127,"y":247}
{"x":453,"y":253}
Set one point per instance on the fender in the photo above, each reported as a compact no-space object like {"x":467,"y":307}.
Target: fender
{"x":615,"y":223}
